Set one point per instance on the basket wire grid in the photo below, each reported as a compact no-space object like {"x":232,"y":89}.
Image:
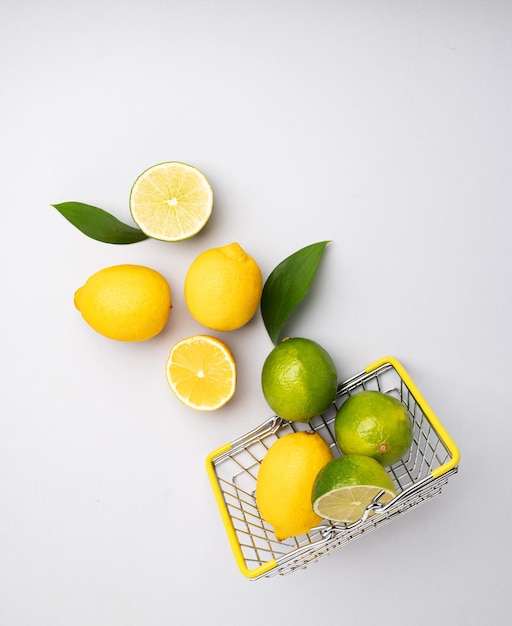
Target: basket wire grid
{"x":419,"y":476}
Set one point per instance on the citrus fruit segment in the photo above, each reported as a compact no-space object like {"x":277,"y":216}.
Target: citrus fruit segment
{"x":374,"y":424}
{"x":299,"y":379}
{"x":201,"y":372}
{"x":347,"y":485}
{"x":285,"y":479}
{"x":171,"y":201}
{"x":223,"y":287}
{"x":125,"y":302}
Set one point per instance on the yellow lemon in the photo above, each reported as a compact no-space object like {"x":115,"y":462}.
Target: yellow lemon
{"x":285,"y":480}
{"x":223,"y":287}
{"x":125,"y":302}
{"x":201,"y":372}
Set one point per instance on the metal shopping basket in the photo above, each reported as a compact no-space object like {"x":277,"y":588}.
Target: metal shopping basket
{"x":419,"y":476}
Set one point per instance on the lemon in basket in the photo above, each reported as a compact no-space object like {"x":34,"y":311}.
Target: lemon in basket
{"x":285,"y":479}
{"x":375,"y":424}
{"x":347,"y":485}
{"x":171,"y":201}
{"x":125,"y":302}
{"x":201,"y":372}
{"x":299,"y":379}
{"x":223,"y":287}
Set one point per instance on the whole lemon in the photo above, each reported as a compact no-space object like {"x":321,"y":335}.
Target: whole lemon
{"x":285,"y":480}
{"x":299,"y":379}
{"x":125,"y":302}
{"x":375,"y":424}
{"x":223,"y":287}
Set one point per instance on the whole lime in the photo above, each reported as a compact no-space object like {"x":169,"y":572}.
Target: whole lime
{"x":299,"y":379}
{"x":375,"y":424}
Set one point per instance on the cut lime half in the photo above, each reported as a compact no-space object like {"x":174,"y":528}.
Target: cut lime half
{"x":346,"y":486}
{"x":348,"y":504}
{"x":171,"y":201}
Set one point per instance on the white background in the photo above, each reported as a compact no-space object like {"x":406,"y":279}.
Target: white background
{"x":383,"y":126}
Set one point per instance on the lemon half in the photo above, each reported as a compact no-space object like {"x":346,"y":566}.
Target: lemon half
{"x":201,"y":372}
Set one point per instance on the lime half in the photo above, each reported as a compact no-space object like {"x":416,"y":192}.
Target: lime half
{"x":171,"y":201}
{"x":347,"y":485}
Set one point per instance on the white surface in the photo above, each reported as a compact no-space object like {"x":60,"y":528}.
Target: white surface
{"x":384,"y":126}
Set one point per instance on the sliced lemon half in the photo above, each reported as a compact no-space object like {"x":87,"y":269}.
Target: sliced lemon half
{"x":171,"y":201}
{"x":201,"y":372}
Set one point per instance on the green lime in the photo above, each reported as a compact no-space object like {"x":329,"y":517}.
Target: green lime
{"x":347,"y":485}
{"x":374,"y":424}
{"x":299,"y":379}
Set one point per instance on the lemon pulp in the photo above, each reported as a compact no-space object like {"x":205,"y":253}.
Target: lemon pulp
{"x":201,"y":372}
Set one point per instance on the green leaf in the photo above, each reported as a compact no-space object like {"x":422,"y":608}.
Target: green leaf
{"x":98,"y":224}
{"x":287,"y":285}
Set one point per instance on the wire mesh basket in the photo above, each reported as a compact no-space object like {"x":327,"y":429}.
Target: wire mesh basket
{"x":418,"y":477}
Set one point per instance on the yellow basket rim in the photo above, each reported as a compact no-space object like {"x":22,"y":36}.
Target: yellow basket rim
{"x":427,"y":410}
